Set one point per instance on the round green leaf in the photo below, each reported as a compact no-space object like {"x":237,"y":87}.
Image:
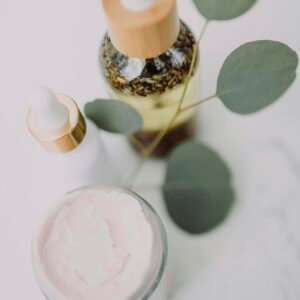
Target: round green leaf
{"x":223,"y":9}
{"x":197,"y":188}
{"x":114,"y":116}
{"x":255,"y":75}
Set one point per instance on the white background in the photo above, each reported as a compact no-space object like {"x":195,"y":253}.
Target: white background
{"x":256,"y":253}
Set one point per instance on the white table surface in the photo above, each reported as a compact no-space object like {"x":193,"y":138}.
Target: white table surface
{"x":255,"y":254}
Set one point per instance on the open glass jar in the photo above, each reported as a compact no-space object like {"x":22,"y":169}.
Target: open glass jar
{"x":100,"y":243}
{"x":153,"y":85}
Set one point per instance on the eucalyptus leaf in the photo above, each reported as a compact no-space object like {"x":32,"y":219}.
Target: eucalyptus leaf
{"x":197,"y":188}
{"x":114,"y":116}
{"x":255,"y":75}
{"x":223,"y":9}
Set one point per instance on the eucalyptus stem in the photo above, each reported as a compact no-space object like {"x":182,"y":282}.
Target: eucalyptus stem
{"x":136,"y":142}
{"x":198,"y":102}
{"x":163,"y":132}
{"x":149,"y":150}
{"x":204,"y":28}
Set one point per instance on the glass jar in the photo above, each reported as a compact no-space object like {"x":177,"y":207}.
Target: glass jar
{"x":154,"y":86}
{"x":158,"y":257}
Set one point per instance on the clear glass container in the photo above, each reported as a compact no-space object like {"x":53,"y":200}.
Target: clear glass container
{"x":156,"y":269}
{"x":154,"y":87}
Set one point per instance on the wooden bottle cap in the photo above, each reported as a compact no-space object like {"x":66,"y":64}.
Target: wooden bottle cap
{"x":142,"y":34}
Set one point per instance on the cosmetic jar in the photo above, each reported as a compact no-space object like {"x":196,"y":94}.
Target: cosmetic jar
{"x":100,"y":243}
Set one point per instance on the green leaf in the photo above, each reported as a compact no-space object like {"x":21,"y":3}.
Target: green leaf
{"x":223,"y":9}
{"x":114,"y":116}
{"x":197,"y":188}
{"x":255,"y":75}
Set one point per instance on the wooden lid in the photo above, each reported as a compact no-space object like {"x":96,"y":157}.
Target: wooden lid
{"x":142,"y":34}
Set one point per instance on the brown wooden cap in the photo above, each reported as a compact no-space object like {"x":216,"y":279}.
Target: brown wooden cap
{"x":142,"y":34}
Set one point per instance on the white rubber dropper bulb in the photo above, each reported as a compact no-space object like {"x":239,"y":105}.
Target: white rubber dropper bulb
{"x":49,"y":113}
{"x":137,"y":5}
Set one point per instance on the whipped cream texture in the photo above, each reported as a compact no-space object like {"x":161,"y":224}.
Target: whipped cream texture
{"x":96,"y":245}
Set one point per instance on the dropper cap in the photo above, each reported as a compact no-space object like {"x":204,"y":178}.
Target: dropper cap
{"x":55,"y":121}
{"x":142,"y":28}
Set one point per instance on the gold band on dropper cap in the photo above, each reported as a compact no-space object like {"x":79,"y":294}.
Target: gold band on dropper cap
{"x":142,"y":34}
{"x":65,"y":139}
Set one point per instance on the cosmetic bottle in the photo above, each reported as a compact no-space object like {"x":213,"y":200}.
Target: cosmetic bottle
{"x":100,"y":243}
{"x":74,"y":154}
{"x":145,"y":59}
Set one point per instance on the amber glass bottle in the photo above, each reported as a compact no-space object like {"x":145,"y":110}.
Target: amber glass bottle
{"x":152,"y":80}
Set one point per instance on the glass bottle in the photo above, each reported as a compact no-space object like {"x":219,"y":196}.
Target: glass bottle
{"x":151,"y":78}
